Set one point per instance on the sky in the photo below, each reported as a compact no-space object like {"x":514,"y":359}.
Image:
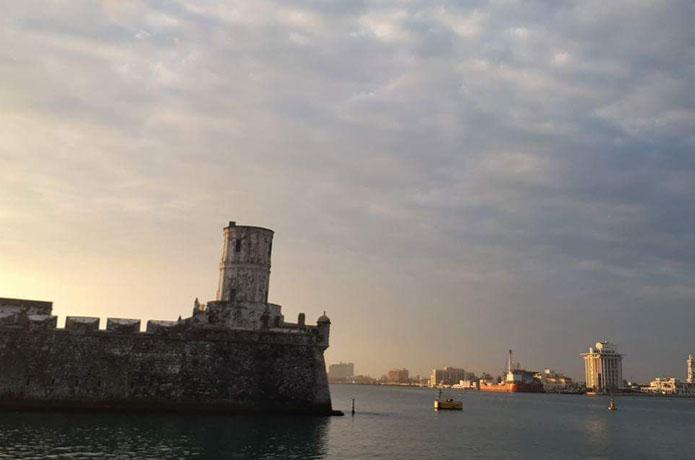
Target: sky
{"x":447,"y":180}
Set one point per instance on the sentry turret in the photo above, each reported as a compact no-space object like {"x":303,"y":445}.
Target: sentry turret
{"x":323,"y":324}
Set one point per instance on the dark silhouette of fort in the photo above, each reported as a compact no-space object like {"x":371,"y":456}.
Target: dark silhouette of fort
{"x":234,"y":354}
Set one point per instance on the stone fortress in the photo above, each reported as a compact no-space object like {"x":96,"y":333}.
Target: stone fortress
{"x":234,"y":354}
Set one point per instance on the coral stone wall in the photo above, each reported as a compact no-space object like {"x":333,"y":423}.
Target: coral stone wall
{"x":245,"y":264}
{"x":199,"y":369}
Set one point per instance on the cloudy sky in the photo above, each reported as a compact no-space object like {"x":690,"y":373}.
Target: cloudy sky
{"x":447,"y":179}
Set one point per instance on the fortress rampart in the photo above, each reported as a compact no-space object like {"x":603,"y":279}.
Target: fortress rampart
{"x":231,"y":355}
{"x":175,"y":367}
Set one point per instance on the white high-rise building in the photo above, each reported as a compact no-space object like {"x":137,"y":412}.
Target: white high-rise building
{"x":603,"y":367}
{"x":691,"y":370}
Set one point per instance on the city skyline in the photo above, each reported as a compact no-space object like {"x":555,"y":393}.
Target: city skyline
{"x":447,"y":180}
{"x":686,"y":376}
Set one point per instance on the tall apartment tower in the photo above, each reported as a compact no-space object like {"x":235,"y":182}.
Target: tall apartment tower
{"x":603,"y":367}
{"x":245,"y":264}
{"x":691,"y":370}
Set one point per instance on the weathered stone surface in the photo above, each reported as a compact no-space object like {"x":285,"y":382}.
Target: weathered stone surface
{"x":123,"y":325}
{"x":81,"y":323}
{"x":46,"y":322}
{"x":245,"y":265}
{"x":211,"y":369}
{"x":161,"y":327}
{"x":7,"y":318}
{"x":25,"y":306}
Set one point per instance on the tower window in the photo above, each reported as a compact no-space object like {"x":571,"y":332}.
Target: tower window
{"x":237,"y":246}
{"x":232,"y":295}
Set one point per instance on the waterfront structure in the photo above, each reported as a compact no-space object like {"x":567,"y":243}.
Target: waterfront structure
{"x":466,"y":385}
{"x":663,"y":385}
{"x":235,"y":354}
{"x":363,"y":380}
{"x":398,"y":376}
{"x":516,"y":380}
{"x":420,"y":381}
{"x":447,"y":376}
{"x":603,"y":367}
{"x":672,"y":386}
{"x":341,"y":372}
{"x":553,"y":381}
{"x":669,"y":386}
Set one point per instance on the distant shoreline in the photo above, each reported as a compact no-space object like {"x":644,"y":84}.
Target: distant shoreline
{"x":470,"y":390}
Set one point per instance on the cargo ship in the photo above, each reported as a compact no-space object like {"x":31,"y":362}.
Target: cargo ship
{"x":516,"y":380}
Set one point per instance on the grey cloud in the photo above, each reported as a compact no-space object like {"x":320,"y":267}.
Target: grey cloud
{"x":472,"y":150}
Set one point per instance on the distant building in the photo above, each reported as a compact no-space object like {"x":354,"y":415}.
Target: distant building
{"x":603,"y":367}
{"x":466,"y":385}
{"x":673,"y":386}
{"x":341,"y":372}
{"x":447,"y":376}
{"x":663,"y":385}
{"x":363,"y":380}
{"x":398,"y":376}
{"x":669,"y":386}
{"x":471,"y":376}
{"x":553,"y":381}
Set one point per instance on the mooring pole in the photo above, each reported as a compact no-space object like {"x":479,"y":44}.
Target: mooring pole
{"x":353,"y":407}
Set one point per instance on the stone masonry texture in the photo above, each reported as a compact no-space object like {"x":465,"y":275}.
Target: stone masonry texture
{"x":235,"y":354}
{"x":202,"y":369}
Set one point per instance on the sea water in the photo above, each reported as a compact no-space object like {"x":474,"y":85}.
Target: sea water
{"x":390,"y":423}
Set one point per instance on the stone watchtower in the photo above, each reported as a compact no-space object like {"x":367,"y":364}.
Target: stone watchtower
{"x":242,"y":293}
{"x":245,"y":265}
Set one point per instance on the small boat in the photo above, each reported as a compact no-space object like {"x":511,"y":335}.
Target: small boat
{"x":447,"y":404}
{"x":612,"y":406}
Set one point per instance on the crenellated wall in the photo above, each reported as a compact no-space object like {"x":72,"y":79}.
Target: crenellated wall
{"x":172,"y":366}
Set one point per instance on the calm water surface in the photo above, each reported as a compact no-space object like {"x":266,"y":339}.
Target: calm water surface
{"x":390,"y":423}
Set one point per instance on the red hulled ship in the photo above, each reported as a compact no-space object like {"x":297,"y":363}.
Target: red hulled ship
{"x":516,"y":380}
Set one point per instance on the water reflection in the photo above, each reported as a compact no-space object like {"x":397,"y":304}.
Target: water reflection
{"x":61,"y":435}
{"x":597,"y":432}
